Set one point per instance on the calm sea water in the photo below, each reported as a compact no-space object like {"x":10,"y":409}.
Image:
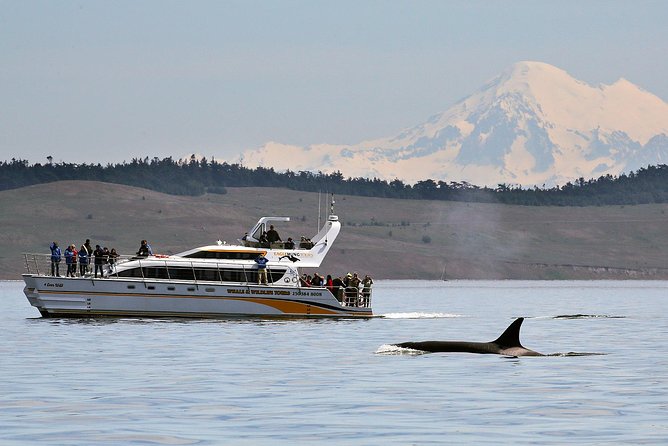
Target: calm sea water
{"x":182,"y":382}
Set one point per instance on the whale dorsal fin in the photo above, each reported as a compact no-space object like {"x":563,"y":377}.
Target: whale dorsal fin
{"x":511,"y":337}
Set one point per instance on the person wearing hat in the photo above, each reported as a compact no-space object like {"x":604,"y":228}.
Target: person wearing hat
{"x":261,"y":261}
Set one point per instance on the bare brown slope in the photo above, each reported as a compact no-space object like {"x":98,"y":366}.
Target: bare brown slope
{"x":385,"y":237}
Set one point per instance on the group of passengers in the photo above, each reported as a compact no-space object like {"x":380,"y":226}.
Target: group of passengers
{"x":340,"y":286}
{"x":267,"y":238}
{"x":102,"y":258}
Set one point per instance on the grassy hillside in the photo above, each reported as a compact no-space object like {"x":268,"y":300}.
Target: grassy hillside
{"x":384,"y":237}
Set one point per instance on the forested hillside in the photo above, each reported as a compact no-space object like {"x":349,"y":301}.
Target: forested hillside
{"x":196,"y":177}
{"x":384,"y":237}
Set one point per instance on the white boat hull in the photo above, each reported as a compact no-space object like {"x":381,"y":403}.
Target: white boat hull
{"x":89,"y":297}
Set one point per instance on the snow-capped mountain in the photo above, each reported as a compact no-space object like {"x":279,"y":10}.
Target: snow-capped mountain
{"x":532,"y":125}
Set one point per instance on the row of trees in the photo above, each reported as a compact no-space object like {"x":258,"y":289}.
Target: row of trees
{"x":196,"y":177}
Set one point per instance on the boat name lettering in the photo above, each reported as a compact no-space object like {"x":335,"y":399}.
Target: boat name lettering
{"x":292,"y":253}
{"x":259,"y":292}
{"x":57,"y":285}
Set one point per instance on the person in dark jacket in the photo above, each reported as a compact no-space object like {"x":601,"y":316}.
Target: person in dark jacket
{"x":337,"y":286}
{"x":89,"y":249}
{"x":272,"y":235}
{"x":317,"y":280}
{"x":264,"y":241}
{"x":144,"y":249}
{"x":113,"y":257}
{"x":99,"y":260}
{"x":84,"y":259}
{"x":56,"y":257}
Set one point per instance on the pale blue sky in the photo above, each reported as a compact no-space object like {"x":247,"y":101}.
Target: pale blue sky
{"x":111,"y":80}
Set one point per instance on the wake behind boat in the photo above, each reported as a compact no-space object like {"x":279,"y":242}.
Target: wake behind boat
{"x":214,"y":281}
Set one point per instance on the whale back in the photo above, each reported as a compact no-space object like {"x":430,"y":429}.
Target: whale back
{"x":506,"y":344}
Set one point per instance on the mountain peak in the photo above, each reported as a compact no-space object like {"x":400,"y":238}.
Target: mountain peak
{"x":527,"y":66}
{"x":533,"y":124}
{"x":531,"y":78}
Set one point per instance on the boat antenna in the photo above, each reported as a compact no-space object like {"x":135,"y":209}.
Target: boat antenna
{"x":319,"y":212}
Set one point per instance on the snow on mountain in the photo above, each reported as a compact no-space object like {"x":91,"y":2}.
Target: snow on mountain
{"x":532,"y":125}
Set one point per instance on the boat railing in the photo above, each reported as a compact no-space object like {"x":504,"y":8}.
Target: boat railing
{"x":33,"y":263}
{"x":40,"y":264}
{"x":355,"y":297}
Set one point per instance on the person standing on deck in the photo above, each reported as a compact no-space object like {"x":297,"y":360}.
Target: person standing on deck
{"x":366,"y":289}
{"x":272,"y":235}
{"x":337,"y":288}
{"x":84,"y":257}
{"x":99,"y":260}
{"x":113,"y":258}
{"x":56,"y":256}
{"x":71,"y":261}
{"x":261,"y":261}
{"x":89,"y":248}
{"x":87,"y":256}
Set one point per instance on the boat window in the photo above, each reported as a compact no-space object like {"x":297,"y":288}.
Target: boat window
{"x":171,"y":288}
{"x":132,"y":287}
{"x":150,"y":287}
{"x":134,"y":272}
{"x":202,"y":274}
{"x":258,"y":232}
{"x":178,"y":273}
{"x":223,"y":255}
{"x":210,"y":290}
{"x":210,"y":275}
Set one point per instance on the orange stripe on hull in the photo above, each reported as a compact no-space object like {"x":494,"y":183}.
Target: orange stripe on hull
{"x":291,"y":307}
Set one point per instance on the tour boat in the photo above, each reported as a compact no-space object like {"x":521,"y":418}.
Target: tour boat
{"x":215,"y":281}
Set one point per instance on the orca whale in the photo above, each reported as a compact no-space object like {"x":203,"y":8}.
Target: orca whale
{"x":507,"y":344}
